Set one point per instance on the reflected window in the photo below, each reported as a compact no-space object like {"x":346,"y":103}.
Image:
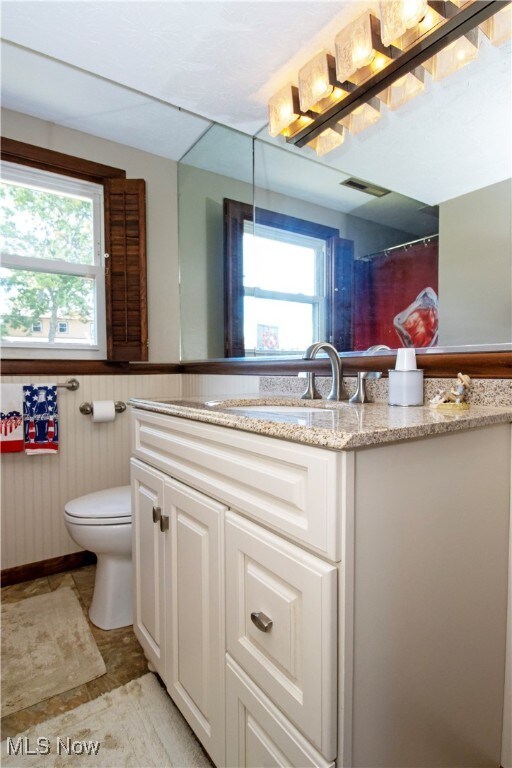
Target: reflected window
{"x":285,"y":282}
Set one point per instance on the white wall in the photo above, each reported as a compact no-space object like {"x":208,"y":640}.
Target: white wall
{"x":160,"y":175}
{"x":475,"y":268}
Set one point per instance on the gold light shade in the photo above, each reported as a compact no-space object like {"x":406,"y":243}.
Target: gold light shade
{"x":499,"y":27}
{"x":283,"y":110}
{"x":354,"y":47}
{"x":403,"y":90}
{"x":328,"y":140}
{"x":362,"y":117}
{"x":454,"y":56}
{"x":316,"y":82}
{"x":397,"y":16}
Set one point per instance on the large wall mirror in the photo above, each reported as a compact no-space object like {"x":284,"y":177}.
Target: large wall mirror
{"x":401,"y":236}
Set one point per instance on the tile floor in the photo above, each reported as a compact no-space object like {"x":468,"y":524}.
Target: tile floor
{"x":120,"y":649}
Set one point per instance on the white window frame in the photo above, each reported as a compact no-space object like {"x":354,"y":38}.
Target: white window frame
{"x":54,"y":182}
{"x":319,"y":299}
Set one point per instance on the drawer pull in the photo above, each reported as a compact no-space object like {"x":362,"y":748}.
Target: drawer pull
{"x":157,"y":514}
{"x":164,"y":523}
{"x":261,"y":621}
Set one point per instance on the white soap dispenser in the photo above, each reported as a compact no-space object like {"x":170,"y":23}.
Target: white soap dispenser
{"x":405,"y":383}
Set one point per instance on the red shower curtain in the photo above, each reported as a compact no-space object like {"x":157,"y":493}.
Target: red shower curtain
{"x":387,"y":284}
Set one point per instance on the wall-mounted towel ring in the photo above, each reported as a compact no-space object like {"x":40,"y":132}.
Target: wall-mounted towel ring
{"x":87,"y":409}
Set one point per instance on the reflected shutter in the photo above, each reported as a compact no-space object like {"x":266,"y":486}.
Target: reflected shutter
{"x":342,"y":272}
{"x":125,"y":269}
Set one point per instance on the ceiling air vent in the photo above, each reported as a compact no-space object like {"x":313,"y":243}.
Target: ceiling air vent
{"x":364,"y":186}
{"x":430,"y":210}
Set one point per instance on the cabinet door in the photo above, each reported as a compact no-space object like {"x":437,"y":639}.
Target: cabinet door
{"x":257,"y":734}
{"x":148,"y":562}
{"x":281,"y":626}
{"x":195,"y":623}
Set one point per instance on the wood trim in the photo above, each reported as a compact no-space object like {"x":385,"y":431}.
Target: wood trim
{"x":43,"y":568}
{"x":84,"y":368}
{"x":480,"y":365}
{"x":57,"y":162}
{"x":485,"y":365}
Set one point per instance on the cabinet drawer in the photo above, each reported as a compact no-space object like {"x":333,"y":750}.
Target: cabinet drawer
{"x":294,"y":659}
{"x":257,"y":734}
{"x":294,"y":489}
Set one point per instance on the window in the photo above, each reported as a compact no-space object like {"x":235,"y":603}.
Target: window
{"x":52,"y":261}
{"x":111,"y":213}
{"x":286,"y":280}
{"x":37,"y":327}
{"x":284,"y":290}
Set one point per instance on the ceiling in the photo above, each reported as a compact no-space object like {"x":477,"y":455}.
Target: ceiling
{"x":156,"y":75}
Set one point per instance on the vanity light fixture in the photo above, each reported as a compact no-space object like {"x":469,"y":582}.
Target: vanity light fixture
{"x":397,"y":16}
{"x":455,"y":56}
{"x":362,"y":117}
{"x":359,"y":46}
{"x":328,"y":140}
{"x":404,"y":89}
{"x":385,"y":64}
{"x":284,"y":112}
{"x":499,"y":27}
{"x":318,"y":88}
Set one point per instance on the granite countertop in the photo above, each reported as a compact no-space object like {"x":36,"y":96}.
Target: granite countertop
{"x":334,"y":425}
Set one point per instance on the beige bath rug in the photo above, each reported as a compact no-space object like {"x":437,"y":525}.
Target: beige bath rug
{"x":47,"y":648}
{"x":136,"y":726}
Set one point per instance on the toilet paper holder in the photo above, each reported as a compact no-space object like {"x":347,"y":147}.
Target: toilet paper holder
{"x":86,"y":408}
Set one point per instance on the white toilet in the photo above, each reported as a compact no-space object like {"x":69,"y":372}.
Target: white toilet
{"x":102,"y":523}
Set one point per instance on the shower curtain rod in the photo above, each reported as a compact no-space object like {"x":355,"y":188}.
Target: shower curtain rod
{"x":426,"y":239}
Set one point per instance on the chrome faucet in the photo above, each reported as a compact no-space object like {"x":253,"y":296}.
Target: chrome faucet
{"x":337,"y":371}
{"x":361,"y":396}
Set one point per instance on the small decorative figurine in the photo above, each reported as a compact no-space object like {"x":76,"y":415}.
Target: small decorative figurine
{"x":453,"y":397}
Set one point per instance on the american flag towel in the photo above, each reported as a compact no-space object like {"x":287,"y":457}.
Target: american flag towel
{"x":41,"y":418}
{"x":11,"y":430}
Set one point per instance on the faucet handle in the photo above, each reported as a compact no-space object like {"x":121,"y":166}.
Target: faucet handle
{"x":311,"y":392}
{"x":361,"y":395}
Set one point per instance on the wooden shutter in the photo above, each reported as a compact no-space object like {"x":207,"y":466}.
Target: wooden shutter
{"x":125,"y":270}
{"x":342,"y":271}
{"x":235,"y":214}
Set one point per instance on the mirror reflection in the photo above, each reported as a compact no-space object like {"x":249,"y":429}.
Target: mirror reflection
{"x":401,"y":237}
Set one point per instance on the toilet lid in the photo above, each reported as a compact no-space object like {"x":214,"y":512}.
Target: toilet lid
{"x":112,"y":505}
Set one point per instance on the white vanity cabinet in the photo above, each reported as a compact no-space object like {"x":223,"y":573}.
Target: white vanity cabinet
{"x":150,"y":593}
{"x":338,"y":607}
{"x":179,"y":597}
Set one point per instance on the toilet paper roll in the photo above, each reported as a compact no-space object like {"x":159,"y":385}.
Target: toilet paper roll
{"x":103,"y":410}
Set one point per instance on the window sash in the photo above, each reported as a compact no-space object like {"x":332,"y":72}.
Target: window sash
{"x":319,"y":299}
{"x":52,"y":182}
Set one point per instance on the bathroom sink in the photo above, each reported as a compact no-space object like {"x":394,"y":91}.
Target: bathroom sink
{"x":268,"y":405}
{"x":277,"y":409}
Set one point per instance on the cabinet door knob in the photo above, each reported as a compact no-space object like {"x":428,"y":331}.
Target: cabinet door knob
{"x":157,"y":514}
{"x":261,"y":621}
{"x":164,"y":523}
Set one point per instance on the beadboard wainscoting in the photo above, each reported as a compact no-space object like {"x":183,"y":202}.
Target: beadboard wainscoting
{"x":91,"y":457}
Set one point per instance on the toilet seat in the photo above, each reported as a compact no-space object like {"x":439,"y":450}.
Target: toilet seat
{"x":109,"y":507}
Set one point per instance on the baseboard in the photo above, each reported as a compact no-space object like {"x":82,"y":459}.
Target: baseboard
{"x":31,"y":571}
